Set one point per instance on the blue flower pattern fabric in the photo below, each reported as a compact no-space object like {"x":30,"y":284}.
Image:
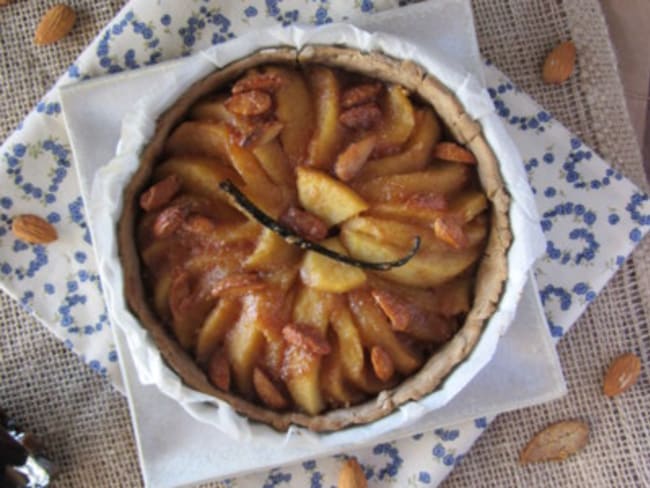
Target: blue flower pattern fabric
{"x":591,"y":215}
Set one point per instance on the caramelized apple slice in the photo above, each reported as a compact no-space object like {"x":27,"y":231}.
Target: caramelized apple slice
{"x":199,"y":138}
{"x":215,"y":327}
{"x":463,"y":208}
{"x":244,"y":344}
{"x":417,"y":152}
{"x":200,"y":176}
{"x":295,"y":111}
{"x":443,"y":179}
{"x":271,"y":252}
{"x":328,"y":134}
{"x":349,"y":341}
{"x":213,"y":110}
{"x":454,"y":297}
{"x":301,"y":373}
{"x":335,"y":390}
{"x":314,"y":307}
{"x":327,"y":197}
{"x":276,"y":164}
{"x":161,"y":287}
{"x":376,"y":331}
{"x":259,"y":187}
{"x":323,"y":273}
{"x":398,"y":119}
{"x":436,"y":262}
{"x":188,"y":307}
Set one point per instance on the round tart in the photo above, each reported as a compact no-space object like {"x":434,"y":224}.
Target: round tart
{"x":315,"y":237}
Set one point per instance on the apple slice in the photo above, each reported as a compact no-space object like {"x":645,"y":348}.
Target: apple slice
{"x":327,"y":197}
{"x":375,"y":330}
{"x":244,"y":345}
{"x":272,"y":158}
{"x":215,"y":327}
{"x":320,"y":272}
{"x":295,"y":111}
{"x":328,"y":134}
{"x":373,"y":239}
{"x":271,"y":252}
{"x":442,"y":179}
{"x":417,"y":152}
{"x":398,"y":119}
{"x":349,"y":340}
{"x":199,"y":138}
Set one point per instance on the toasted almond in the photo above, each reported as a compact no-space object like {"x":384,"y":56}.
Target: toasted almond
{"x":254,"y":102}
{"x":169,"y":221}
{"x":307,"y":337}
{"x":237,"y":284}
{"x":33,"y":229}
{"x":559,"y":63}
{"x":351,"y":475}
{"x":55,"y":24}
{"x":622,"y":373}
{"x":450,"y":151}
{"x":396,"y":309}
{"x":268,"y":82}
{"x":267,"y":391}
{"x":360,"y":94}
{"x":161,"y":193}
{"x":451,"y":232}
{"x":556,"y":442}
{"x":199,"y":225}
{"x":352,"y":159}
{"x":306,"y":224}
{"x":361,"y":117}
{"x":382,"y":363}
{"x":219,"y":370}
{"x":427,"y":201}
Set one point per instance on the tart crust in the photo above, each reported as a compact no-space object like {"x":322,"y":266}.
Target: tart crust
{"x":490,"y":278}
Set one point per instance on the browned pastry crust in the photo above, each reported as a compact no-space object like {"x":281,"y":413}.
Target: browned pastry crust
{"x":492,"y":271}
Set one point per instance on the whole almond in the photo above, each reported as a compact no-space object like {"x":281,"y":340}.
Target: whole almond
{"x":556,"y":442}
{"x":55,"y":24}
{"x":351,"y":475}
{"x":450,"y":151}
{"x":622,"y":373}
{"x":33,"y":229}
{"x":559,"y":63}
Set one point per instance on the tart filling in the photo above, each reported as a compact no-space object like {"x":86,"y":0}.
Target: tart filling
{"x":315,"y":237}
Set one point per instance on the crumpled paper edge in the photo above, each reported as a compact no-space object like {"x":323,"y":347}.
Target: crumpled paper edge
{"x":138,"y":127}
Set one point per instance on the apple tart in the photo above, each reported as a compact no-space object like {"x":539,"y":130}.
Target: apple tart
{"x":315,"y":237}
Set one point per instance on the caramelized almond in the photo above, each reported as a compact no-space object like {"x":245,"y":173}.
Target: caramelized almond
{"x":161,"y":193}
{"x":394,"y":308}
{"x":450,"y":151}
{"x":451,"y":232}
{"x":306,"y":337}
{"x":363,"y":116}
{"x":237,"y":284}
{"x":352,"y":159}
{"x":360,"y":94}
{"x":559,"y":63}
{"x":219,"y":370}
{"x":266,"y":390}
{"x":169,"y":221}
{"x":305,"y":224}
{"x":267,"y":82}
{"x":254,"y":102}
{"x":382,"y":363}
{"x":427,"y":201}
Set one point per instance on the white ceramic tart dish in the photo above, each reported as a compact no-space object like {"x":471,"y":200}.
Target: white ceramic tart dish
{"x":441,"y":367}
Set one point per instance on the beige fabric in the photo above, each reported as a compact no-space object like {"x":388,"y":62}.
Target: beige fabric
{"x":84,"y":423}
